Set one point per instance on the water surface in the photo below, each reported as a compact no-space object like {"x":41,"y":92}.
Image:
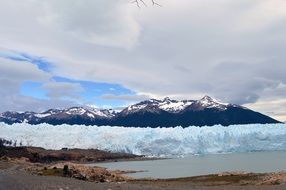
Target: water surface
{"x":258,"y":162}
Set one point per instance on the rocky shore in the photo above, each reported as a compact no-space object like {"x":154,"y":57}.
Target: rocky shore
{"x":20,"y":174}
{"x":41,"y":155}
{"x":63,"y":169}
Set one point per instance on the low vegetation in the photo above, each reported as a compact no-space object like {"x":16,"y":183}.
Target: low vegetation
{"x":35,"y":154}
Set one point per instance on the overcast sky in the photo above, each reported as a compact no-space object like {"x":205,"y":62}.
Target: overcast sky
{"x":110,"y":53}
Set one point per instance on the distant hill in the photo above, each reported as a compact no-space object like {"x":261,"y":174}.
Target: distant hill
{"x":150,"y":113}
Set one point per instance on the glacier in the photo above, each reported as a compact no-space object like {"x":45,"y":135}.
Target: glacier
{"x":176,"y":141}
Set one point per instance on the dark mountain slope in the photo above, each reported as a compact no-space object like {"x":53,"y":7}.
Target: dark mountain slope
{"x":150,"y":113}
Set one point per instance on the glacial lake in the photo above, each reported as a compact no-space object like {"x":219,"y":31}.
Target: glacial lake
{"x":258,"y":162}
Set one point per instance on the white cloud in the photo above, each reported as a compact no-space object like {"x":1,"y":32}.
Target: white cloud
{"x":275,"y":108}
{"x":101,"y":22}
{"x":17,"y":102}
{"x":17,"y":70}
{"x":128,"y":98}
{"x":266,"y":13}
{"x":232,"y":50}
{"x":60,"y":90}
{"x":14,"y":73}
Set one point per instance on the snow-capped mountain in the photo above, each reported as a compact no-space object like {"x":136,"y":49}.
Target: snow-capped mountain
{"x":175,"y":106}
{"x":57,"y":116}
{"x":208,"y":102}
{"x":149,"y":113}
{"x":153,"y":105}
{"x":91,"y":113}
{"x":169,"y":113}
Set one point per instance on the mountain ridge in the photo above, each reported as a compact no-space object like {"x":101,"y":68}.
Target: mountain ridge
{"x":166,"y":112}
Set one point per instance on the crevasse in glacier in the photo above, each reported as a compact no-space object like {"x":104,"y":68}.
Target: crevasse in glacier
{"x":175,"y":141}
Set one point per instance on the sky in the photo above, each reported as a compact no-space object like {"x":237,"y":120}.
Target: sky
{"x":111,"y":53}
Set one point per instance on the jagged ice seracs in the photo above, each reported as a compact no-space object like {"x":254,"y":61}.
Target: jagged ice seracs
{"x":176,"y":141}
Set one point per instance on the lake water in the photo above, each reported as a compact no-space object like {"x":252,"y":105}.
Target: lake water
{"x":257,"y":162}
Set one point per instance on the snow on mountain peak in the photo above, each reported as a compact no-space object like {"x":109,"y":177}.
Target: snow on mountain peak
{"x":42,"y":115}
{"x":207,"y":98}
{"x":165,"y":104}
{"x":153,"y":105}
{"x":209,"y":102}
{"x":103,"y":113}
{"x":167,"y":99}
{"x":174,"y":105}
{"x":75,"y":111}
{"x":136,"y":107}
{"x":86,"y":112}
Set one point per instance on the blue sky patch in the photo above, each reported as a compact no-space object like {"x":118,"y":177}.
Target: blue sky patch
{"x":92,"y":91}
{"x":42,"y":63}
{"x":33,"y":89}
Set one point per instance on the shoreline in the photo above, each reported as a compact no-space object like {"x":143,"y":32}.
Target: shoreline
{"x":82,"y":156}
{"x":17,"y":170}
{"x":17,"y":174}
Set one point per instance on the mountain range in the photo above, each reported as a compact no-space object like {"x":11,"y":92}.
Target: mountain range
{"x":149,"y":113}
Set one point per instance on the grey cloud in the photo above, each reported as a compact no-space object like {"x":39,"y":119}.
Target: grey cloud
{"x":14,"y":73}
{"x":62,"y":89}
{"x":240,"y":82}
{"x":21,"y":71}
{"x":93,"y":21}
{"x":271,"y":106}
{"x":132,"y":98}
{"x":233,"y":50}
{"x":24,"y":103}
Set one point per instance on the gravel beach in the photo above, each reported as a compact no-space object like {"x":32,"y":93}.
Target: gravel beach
{"x":15,"y":178}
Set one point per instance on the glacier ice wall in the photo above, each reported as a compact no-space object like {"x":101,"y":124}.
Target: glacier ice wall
{"x":151,"y":141}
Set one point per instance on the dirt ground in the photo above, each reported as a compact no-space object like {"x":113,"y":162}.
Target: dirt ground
{"x":31,"y":168}
{"x":14,"y":177}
